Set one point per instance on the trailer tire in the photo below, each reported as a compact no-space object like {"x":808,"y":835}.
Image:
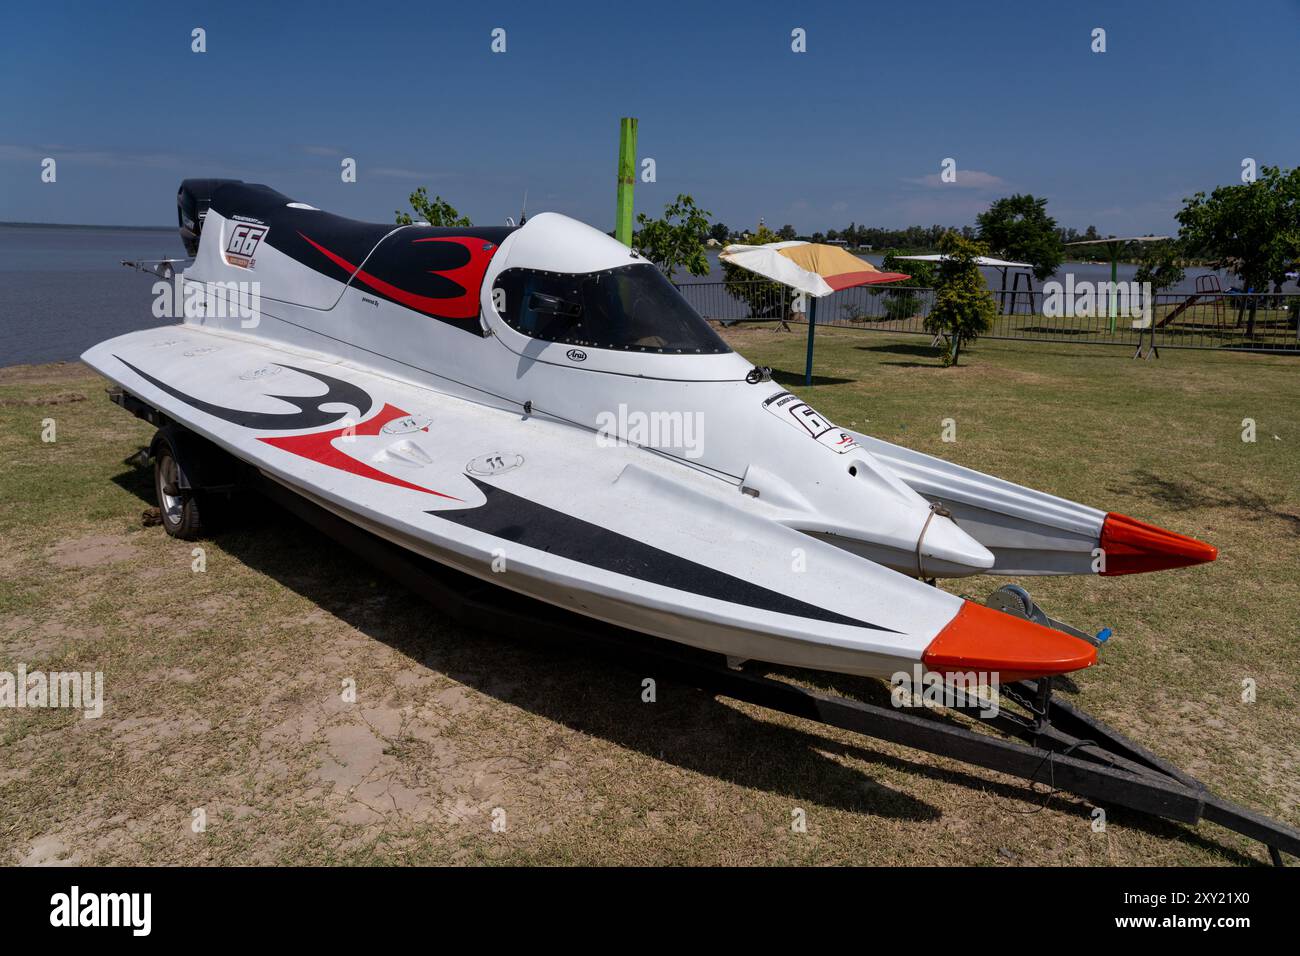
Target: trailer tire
{"x":181,"y":514}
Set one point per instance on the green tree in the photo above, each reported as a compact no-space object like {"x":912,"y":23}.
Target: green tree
{"x":1019,"y":228}
{"x":678,"y":239}
{"x":766,"y":299}
{"x":436,"y":211}
{"x":922,"y":273}
{"x":1252,"y":229}
{"x":719,"y":232}
{"x":1159,"y":263}
{"x":963,"y":306}
{"x":786,"y":233}
{"x":900,"y":301}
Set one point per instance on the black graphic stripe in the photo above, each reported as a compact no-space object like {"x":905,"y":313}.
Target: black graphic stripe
{"x":512,"y":518}
{"x":309,"y":414}
{"x":404,"y":260}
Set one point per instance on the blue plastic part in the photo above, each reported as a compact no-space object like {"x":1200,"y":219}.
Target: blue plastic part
{"x":1104,"y":635}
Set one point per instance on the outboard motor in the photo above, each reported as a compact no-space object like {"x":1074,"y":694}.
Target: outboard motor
{"x":192,"y":202}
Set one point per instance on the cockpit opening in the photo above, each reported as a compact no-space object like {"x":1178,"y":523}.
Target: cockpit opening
{"x":630,"y":308}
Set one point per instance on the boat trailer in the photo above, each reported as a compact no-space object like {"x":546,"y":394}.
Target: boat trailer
{"x":1051,"y":742}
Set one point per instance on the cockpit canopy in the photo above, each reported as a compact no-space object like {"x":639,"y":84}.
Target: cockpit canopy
{"x":629,"y":308}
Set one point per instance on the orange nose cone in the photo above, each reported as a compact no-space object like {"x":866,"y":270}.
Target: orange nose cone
{"x":1133,"y":546}
{"x":979,"y":638}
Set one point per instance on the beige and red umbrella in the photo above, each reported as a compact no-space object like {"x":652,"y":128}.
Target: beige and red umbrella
{"x":812,"y":267}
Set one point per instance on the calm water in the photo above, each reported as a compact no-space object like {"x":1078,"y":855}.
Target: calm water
{"x":62,"y":289}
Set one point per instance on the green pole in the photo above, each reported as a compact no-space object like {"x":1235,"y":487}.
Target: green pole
{"x":812,"y":328}
{"x":1114,"y":278}
{"x":626,"y":179}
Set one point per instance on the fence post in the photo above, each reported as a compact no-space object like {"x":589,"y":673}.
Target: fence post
{"x":1114,"y":278}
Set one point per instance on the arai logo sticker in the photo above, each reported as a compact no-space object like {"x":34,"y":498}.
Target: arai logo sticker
{"x":790,"y":408}
{"x":243,"y":242}
{"x":576,"y":355}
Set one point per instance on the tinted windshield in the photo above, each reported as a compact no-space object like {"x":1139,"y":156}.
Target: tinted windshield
{"x":633,"y":308}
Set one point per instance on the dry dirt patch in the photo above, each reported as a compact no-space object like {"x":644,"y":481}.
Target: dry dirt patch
{"x":52,"y":373}
{"x":89,"y":551}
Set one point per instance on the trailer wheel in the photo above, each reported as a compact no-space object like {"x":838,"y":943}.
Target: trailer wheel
{"x":179,"y":506}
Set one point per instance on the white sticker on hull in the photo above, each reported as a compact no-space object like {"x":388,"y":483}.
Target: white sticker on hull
{"x":266,"y":371}
{"x":242,"y":244}
{"x":406,"y":425}
{"x":494,"y":464}
{"x":790,"y":408}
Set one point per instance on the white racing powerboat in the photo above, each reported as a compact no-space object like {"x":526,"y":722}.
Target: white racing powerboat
{"x":539,"y":407}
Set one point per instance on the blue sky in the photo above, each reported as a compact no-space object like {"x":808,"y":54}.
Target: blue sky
{"x":854,"y":129}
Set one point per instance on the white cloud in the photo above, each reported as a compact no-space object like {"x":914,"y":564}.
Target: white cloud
{"x":966,"y":179}
{"x":88,"y":157}
{"x":397,"y":172}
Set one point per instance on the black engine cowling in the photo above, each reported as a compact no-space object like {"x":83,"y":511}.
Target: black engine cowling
{"x":192,"y":202}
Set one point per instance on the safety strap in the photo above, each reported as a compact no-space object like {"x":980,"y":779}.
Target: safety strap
{"x":936,"y":508}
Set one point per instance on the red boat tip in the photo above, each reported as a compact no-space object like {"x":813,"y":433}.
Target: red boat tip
{"x":1133,"y":546}
{"x":981,"y":639}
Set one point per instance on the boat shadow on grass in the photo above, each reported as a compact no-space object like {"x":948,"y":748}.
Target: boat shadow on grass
{"x":1197,"y":495}
{"x":598,"y":692}
{"x":796,"y":379}
{"x":932,"y":353}
{"x":903,"y":348}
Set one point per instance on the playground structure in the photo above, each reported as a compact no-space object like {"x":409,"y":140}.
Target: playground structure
{"x":1206,"y":286}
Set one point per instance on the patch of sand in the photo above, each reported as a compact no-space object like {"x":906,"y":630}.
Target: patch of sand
{"x":63,"y":398}
{"x":43,"y":374}
{"x":48,"y":850}
{"x":89,"y":551}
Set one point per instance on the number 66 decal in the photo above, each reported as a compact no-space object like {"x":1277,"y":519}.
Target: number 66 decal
{"x":243,"y":240}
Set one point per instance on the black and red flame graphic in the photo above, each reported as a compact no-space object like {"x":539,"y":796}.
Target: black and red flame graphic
{"x":320,"y":448}
{"x":458,"y":265}
{"x":311,"y":411}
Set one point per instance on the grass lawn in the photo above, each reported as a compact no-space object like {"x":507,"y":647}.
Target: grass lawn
{"x":223,"y":687}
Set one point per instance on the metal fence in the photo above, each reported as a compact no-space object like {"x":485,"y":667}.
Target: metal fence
{"x":1222,"y":320}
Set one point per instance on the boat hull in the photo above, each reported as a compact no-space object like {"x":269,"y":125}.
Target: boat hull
{"x":541,"y":507}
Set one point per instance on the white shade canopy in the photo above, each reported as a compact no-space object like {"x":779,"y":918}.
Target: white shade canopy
{"x":812,"y":267}
{"x":1106,"y":239}
{"x":985,"y":261}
